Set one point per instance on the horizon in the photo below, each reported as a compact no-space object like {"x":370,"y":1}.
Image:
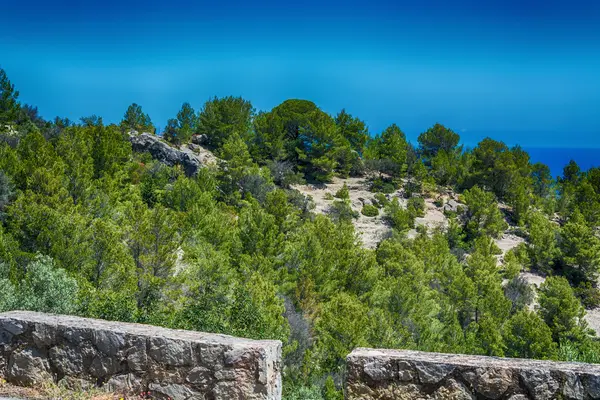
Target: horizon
{"x":508,"y":70}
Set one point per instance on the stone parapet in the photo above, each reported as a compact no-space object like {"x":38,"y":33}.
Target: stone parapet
{"x":81,"y":352}
{"x":397,"y":374}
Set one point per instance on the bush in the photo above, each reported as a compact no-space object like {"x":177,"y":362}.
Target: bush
{"x":589,"y":295}
{"x":381,"y":200}
{"x":439,"y":202}
{"x":519,"y":292}
{"x":399,"y":218}
{"x":416,"y":207}
{"x":329,"y":196}
{"x":302,"y":393}
{"x":303,"y":203}
{"x":256,"y":185}
{"x":330,"y":392}
{"x":44,"y":288}
{"x":284,"y":174}
{"x":343,"y":193}
{"x":369,"y":211}
{"x":342,"y":211}
{"x":383,"y":185}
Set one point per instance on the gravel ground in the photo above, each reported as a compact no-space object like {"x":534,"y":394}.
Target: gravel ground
{"x":370,"y":229}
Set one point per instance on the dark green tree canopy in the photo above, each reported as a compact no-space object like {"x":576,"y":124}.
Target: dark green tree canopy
{"x":181,"y":129}
{"x":352,"y":129}
{"x":9,"y":104}
{"x":136,"y":120}
{"x":299,"y":132}
{"x":438,"y":138}
{"x":220,"y":118}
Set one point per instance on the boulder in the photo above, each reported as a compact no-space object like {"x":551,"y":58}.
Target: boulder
{"x":199,"y":140}
{"x":28,"y":367}
{"x":194,"y":147}
{"x":164,"y":153}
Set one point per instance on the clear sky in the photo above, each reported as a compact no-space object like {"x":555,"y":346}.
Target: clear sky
{"x":525,"y":72}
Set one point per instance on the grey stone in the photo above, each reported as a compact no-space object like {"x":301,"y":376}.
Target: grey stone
{"x":127,"y":382}
{"x":455,"y":376}
{"x":592,"y":385}
{"x":194,"y":147}
{"x":211,"y":355}
{"x":77,"y":335}
{"x":227,"y":390}
{"x":226,"y":375}
{"x":366,"y":202}
{"x":490,"y":382}
{"x":44,"y":335}
{"x":200,"y":376}
{"x":378,"y":370}
{"x":540,"y":383}
{"x":170,"y":352}
{"x":137,"y":358}
{"x":5,"y":337}
{"x":174,"y":391}
{"x":406,"y":372}
{"x":28,"y":367}
{"x":453,"y":390}
{"x":67,"y":360}
{"x":239,"y":357}
{"x":108,"y":342}
{"x":432,"y":373}
{"x":15,"y":327}
{"x":164,"y":153}
{"x":199,"y":139}
{"x":572,"y":387}
{"x":103,"y":366}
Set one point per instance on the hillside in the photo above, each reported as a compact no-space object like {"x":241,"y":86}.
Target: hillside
{"x":297,"y":225}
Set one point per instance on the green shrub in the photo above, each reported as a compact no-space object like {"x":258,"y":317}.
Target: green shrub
{"x":302,"y":393}
{"x":589,"y":295}
{"x":439,"y":202}
{"x":342,"y":211}
{"x":380,"y":200}
{"x":343,"y":193}
{"x":329,"y":196}
{"x":44,"y":288}
{"x":383,"y":185}
{"x":399,"y":218}
{"x":369,"y":211}
{"x":330,"y":392}
{"x":416,"y":207}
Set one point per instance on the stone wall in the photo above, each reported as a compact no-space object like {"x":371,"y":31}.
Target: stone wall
{"x":396,"y":374}
{"x":80,"y":352}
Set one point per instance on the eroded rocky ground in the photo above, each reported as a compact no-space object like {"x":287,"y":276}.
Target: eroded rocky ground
{"x":372,"y":230}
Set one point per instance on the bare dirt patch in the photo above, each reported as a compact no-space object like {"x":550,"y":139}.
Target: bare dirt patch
{"x":370,"y":229}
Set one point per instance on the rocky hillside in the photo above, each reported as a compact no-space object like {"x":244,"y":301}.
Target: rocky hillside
{"x":191,"y":156}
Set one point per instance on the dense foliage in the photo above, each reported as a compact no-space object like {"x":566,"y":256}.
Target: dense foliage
{"x":88,"y":227}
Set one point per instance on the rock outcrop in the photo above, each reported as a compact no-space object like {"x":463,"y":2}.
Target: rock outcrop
{"x":397,"y":374}
{"x":166,"y":154}
{"x":80,"y":352}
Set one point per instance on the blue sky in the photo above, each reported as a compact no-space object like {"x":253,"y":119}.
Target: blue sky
{"x":525,"y":72}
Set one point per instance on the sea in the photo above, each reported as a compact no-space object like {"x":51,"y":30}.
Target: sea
{"x":557,"y":157}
